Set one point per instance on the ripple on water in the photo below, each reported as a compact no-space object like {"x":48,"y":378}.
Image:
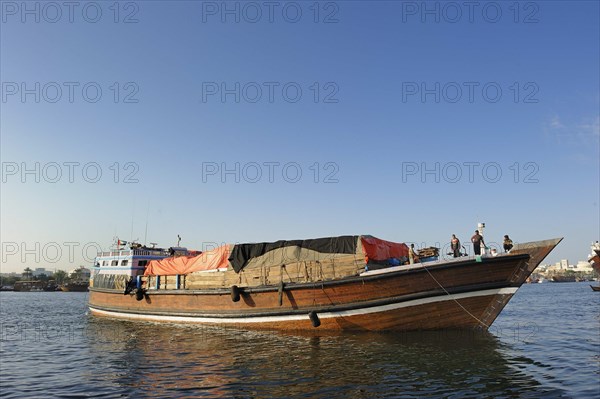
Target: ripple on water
{"x":545,"y":344}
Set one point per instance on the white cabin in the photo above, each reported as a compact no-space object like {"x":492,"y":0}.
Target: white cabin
{"x":129,"y":262}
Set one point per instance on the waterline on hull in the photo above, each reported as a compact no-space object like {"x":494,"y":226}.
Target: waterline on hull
{"x":304,"y":317}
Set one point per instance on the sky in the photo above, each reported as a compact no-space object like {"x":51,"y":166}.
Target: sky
{"x":226,"y":122}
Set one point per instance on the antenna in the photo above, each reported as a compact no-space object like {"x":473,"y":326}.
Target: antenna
{"x":132,"y":215}
{"x":146,"y":230}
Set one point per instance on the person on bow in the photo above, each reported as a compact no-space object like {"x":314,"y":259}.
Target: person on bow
{"x":477,"y":240}
{"x":412,"y":256}
{"x":455,"y":245}
{"x":507,"y":244}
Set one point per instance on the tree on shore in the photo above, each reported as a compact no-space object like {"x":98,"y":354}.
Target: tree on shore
{"x":27,"y":274}
{"x":8,"y":280}
{"x":60,"y":276}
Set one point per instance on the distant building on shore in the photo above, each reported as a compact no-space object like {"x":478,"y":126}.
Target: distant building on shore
{"x":39,"y":271}
{"x":563,"y":267}
{"x":80,"y":273}
{"x":583,"y":266}
{"x":564,"y":264}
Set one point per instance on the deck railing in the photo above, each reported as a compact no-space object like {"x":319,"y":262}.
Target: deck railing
{"x":138,"y":252}
{"x":119,"y":282}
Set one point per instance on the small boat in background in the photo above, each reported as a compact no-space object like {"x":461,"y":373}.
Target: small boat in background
{"x":29,"y":286}
{"x":563,"y":278}
{"x":51,"y":286}
{"x":76,"y":286}
{"x":594,"y":260}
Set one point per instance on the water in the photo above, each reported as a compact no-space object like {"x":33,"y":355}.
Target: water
{"x":546,"y":343}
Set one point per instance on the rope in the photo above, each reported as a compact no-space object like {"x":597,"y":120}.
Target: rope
{"x":458,"y":303}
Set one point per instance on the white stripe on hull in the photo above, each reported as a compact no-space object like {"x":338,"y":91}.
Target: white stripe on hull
{"x":322,"y":315}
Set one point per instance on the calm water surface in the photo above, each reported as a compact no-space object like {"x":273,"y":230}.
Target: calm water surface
{"x":546,"y":343}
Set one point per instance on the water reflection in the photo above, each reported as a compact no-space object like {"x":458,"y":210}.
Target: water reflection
{"x":547,"y":346}
{"x":177,"y":360}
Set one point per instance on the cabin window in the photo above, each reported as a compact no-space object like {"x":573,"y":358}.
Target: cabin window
{"x":125,"y":262}
{"x":142,"y":263}
{"x":104,"y":263}
{"x":114,"y":263}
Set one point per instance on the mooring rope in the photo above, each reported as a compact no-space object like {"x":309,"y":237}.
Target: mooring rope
{"x":458,"y":303}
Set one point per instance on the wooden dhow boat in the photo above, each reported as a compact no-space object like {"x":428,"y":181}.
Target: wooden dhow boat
{"x":594,"y":260}
{"x":334,"y":283}
{"x":75,"y":286}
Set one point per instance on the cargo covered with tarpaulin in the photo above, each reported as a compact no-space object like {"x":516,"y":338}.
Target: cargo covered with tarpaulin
{"x":245,"y":256}
{"x":208,"y":260}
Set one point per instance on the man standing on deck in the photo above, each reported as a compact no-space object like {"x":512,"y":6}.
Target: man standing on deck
{"x":507,"y":243}
{"x":411,"y":254}
{"x":477,"y":240}
{"x":455,"y":245}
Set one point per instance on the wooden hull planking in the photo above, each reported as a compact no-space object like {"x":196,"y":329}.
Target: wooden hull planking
{"x":459,"y":293}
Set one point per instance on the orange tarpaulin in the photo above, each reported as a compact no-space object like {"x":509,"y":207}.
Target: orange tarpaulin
{"x":208,"y":260}
{"x":376,"y":249}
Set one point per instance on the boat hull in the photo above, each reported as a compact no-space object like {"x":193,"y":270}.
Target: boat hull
{"x":74,"y":287}
{"x":563,"y":279}
{"x":477,"y":310}
{"x":595,"y":262}
{"x":457,"y":293}
{"x":464,"y":310}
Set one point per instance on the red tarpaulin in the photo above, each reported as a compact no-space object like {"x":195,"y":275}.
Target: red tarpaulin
{"x":376,"y":249}
{"x":208,"y":260}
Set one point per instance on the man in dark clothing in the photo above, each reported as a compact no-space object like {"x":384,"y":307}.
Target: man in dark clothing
{"x":508,"y":244}
{"x":455,"y":245}
{"x":477,"y":240}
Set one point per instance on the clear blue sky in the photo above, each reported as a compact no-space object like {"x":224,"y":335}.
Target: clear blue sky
{"x":508,"y":91}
